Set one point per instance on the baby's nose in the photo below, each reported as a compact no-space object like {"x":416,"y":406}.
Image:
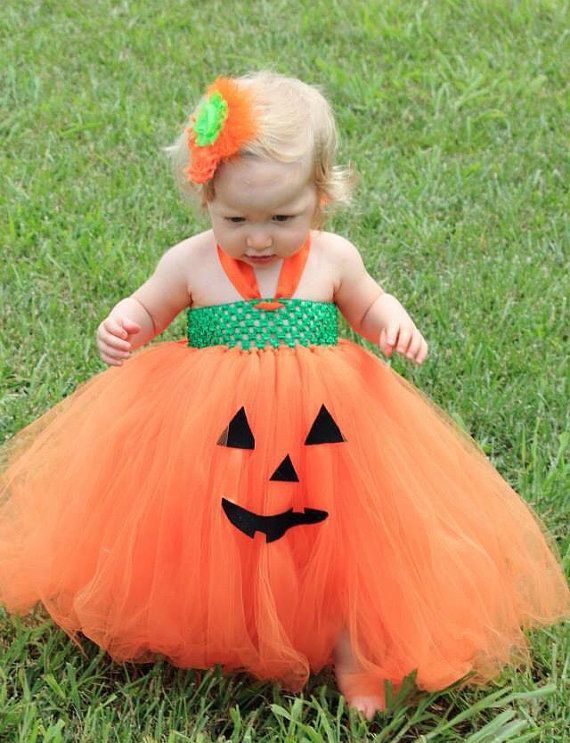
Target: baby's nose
{"x":259,"y":240}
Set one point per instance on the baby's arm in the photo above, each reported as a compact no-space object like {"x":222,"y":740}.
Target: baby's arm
{"x":370,"y":311}
{"x":149,"y":310}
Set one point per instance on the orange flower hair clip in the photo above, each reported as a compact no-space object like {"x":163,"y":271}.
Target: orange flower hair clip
{"x":222,"y":122}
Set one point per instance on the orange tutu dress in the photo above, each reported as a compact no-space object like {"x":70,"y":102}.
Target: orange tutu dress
{"x":243,"y":496}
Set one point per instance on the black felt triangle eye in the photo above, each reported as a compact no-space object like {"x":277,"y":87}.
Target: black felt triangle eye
{"x":324,"y":430}
{"x":238,"y":433}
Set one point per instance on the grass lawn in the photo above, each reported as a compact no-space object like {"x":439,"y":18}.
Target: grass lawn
{"x":453,"y":114}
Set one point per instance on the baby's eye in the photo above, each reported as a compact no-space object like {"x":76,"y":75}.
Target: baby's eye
{"x":235,"y":220}
{"x":282,"y":217}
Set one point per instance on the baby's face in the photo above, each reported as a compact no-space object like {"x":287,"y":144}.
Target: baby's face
{"x":262,"y":210}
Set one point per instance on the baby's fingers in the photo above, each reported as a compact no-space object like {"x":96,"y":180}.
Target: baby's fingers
{"x":415,"y":344}
{"x":111,"y":348}
{"x":404,"y":338}
{"x":112,"y":333}
{"x":112,"y":342}
{"x":110,"y":360}
{"x":422,"y":353}
{"x":388,"y":339}
{"x":131,"y":327}
{"x":109,"y":352}
{"x":417,"y":350}
{"x":115,"y":328}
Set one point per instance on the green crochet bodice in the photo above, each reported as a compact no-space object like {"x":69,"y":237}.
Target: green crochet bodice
{"x":299,"y":321}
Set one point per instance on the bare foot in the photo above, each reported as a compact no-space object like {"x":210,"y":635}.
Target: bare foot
{"x":368,"y":705}
{"x":361,"y":689}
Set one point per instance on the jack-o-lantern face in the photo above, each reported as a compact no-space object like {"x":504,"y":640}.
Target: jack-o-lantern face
{"x":238,"y":435}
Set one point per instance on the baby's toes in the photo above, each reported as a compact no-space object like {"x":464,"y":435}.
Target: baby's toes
{"x":367,"y":705}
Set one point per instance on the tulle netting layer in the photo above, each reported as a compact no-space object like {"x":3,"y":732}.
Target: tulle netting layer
{"x":111,"y":516}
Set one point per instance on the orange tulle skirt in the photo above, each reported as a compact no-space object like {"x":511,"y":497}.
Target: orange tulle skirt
{"x":116,"y":504}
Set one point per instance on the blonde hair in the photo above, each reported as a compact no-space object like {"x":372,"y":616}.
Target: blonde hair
{"x":295,"y":123}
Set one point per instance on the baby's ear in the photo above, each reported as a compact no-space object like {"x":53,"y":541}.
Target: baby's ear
{"x":208,"y":193}
{"x":318,"y":219}
{"x":318,"y":216}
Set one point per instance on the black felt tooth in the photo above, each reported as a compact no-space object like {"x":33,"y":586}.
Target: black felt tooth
{"x":324,"y":429}
{"x":238,"y":434}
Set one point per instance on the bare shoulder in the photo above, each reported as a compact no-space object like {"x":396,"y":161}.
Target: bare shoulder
{"x":338,"y":254}
{"x":354,"y":289}
{"x":170,"y":288}
{"x":188,"y":252}
{"x":335,"y":248}
{"x":188,"y":260}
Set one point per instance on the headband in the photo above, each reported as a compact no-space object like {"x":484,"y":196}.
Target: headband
{"x":222,"y":122}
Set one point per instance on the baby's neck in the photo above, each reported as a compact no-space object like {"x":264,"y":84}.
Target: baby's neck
{"x":208,"y":283}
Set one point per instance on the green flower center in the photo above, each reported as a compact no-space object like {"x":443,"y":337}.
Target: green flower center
{"x":210,"y":116}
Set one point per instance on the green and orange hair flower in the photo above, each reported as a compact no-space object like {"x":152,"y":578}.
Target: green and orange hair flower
{"x":222,"y":122}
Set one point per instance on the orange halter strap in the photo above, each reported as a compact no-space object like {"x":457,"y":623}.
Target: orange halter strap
{"x":243,"y":278}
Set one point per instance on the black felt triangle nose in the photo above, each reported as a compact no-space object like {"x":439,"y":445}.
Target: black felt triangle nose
{"x":285,"y":472}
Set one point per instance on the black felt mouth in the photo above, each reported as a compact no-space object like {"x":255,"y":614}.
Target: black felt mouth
{"x":272,"y":526}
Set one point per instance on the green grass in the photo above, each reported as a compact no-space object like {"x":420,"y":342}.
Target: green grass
{"x":455,"y":116}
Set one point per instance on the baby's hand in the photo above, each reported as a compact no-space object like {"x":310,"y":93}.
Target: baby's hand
{"x":113,"y":338}
{"x":399,"y":332}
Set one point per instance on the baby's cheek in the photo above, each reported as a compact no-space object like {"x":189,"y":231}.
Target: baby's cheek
{"x":298,"y":235}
